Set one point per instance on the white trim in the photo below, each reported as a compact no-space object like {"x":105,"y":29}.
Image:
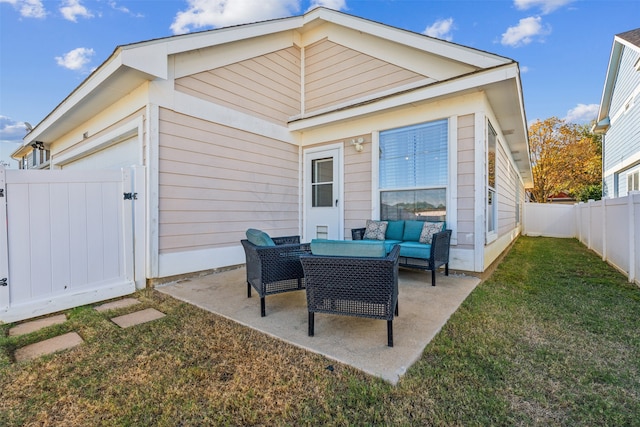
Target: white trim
{"x":121,"y":133}
{"x":480,"y":185}
{"x":375,"y":174}
{"x":205,"y":110}
{"x":185,"y":262}
{"x":417,"y":96}
{"x":153,"y":189}
{"x":452,"y":187}
{"x":623,"y":165}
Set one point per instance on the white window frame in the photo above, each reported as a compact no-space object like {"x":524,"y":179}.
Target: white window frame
{"x":491,"y":211}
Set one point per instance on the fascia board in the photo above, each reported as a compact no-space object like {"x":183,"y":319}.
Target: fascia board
{"x":194,"y":41}
{"x":610,"y":81}
{"x":456,"y":52}
{"x":435,"y":90}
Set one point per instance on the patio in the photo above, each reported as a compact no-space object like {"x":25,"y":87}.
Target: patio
{"x":358,"y":342}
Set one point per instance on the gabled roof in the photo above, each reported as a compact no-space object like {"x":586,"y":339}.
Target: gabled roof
{"x":629,"y":39}
{"x":131,"y":65}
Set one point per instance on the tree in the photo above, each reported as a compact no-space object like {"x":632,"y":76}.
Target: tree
{"x":565,"y":157}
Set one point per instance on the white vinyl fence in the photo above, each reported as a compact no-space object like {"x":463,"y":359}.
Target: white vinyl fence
{"x":609,"y":227}
{"x":66,"y":239}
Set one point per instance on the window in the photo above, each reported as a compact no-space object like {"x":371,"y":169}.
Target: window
{"x":414,"y":172}
{"x":322,"y":182}
{"x":633,"y":181}
{"x":491,"y":182}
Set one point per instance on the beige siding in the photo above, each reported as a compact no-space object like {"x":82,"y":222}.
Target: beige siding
{"x":267,"y":86}
{"x":506,"y":192}
{"x":215,"y":182}
{"x":466,"y":181}
{"x":357,"y":187}
{"x":335,"y":74}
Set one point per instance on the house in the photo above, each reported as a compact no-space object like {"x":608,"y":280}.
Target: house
{"x":619,"y":117}
{"x":305,"y":125}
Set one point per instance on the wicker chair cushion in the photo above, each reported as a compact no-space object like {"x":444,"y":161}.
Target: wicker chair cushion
{"x":375,"y":230}
{"x":259,"y":238}
{"x":348,"y":248}
{"x":412,"y":230}
{"x":395,"y":230}
{"x":428,"y":230}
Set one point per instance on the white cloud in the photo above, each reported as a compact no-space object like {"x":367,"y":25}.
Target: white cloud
{"x":72,"y":9}
{"x":11,"y":134}
{"x":28,"y":8}
{"x":222,"y":13}
{"x":75,"y":59}
{"x":441,"y":29}
{"x":524,"y":69}
{"x":524,"y":32}
{"x":124,"y":9}
{"x":546,"y":6}
{"x":582,"y":113}
{"x":329,"y":4}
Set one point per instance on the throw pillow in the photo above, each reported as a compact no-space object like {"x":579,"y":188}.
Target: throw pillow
{"x":259,"y":238}
{"x":375,"y":230}
{"x":428,"y":230}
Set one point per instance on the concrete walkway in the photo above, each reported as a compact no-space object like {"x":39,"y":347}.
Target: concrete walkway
{"x":361,"y":343}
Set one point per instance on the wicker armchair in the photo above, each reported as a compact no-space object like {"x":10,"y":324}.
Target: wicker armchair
{"x":353,"y":286}
{"x":274,"y":269}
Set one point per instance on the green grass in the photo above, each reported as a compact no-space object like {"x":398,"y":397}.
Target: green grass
{"x":551,"y":338}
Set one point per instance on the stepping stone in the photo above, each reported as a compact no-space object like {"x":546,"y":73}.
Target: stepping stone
{"x":138,"y":317}
{"x":34,"y":325}
{"x":52,"y":345}
{"x":121,"y":303}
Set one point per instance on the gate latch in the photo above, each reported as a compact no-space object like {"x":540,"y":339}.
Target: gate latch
{"x":131,"y":196}
{"x":3,"y":281}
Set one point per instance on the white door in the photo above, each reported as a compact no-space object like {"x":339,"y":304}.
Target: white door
{"x":323,"y":193}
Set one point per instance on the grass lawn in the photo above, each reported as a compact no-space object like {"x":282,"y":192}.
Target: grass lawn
{"x":551,"y":338}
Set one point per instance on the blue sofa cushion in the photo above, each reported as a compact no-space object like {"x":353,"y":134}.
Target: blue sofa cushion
{"x":428,"y":230}
{"x":389,"y":244}
{"x":348,"y":248}
{"x":259,"y":238}
{"x":412,"y":230}
{"x":375,"y":230}
{"x":415,"y":250}
{"x":395,"y":230}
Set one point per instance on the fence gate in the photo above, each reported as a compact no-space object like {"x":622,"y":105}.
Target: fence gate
{"x":66,"y":239}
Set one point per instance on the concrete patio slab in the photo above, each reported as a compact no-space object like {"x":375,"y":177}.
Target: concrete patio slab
{"x":138,"y":317}
{"x":35,"y":325}
{"x":361,"y":343}
{"x":49,"y":346}
{"x":121,"y":303}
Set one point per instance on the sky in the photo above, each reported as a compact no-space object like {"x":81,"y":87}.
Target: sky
{"x":48,"y":47}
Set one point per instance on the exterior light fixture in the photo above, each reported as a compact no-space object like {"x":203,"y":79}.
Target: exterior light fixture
{"x":357,"y":143}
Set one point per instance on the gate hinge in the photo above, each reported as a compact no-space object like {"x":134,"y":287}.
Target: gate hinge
{"x":131,"y":196}
{"x":1,"y":192}
{"x":3,"y":281}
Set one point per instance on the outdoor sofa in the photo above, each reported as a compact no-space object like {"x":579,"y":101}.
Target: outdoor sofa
{"x":352,"y":278}
{"x":273,"y":264}
{"x":423,"y":244}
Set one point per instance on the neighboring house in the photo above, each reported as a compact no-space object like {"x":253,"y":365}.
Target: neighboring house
{"x":619,"y":117}
{"x":306,"y":125}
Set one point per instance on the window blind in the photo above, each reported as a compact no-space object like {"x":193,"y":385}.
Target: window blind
{"x":414,"y":156}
